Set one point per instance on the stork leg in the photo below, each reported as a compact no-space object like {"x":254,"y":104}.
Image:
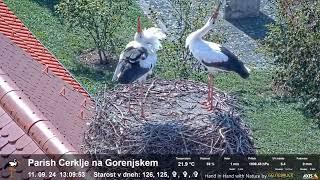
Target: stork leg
{"x":206,"y":103}
{"x":211,"y":79}
{"x":209,"y":103}
{"x":142,"y":114}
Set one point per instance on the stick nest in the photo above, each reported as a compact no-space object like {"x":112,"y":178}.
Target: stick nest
{"x":175,"y":123}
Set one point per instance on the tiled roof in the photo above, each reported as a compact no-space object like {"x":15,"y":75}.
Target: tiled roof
{"x":13,"y":139}
{"x":39,"y":112}
{"x":59,"y":103}
{"x":13,"y":28}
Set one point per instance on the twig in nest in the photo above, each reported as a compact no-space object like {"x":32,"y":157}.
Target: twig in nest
{"x":221,"y":134}
{"x":212,"y":143}
{"x":150,"y":87}
{"x":184,"y":142}
{"x":115,"y":106}
{"x":190,"y":130}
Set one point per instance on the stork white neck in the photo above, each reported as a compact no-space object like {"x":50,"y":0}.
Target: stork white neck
{"x":204,"y":30}
{"x":198,"y":34}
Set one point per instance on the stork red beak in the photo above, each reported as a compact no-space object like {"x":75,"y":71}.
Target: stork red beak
{"x":216,"y":12}
{"x":139,"y":25}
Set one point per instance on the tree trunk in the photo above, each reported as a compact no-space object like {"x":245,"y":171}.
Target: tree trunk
{"x":102,"y":56}
{"x":105,"y":56}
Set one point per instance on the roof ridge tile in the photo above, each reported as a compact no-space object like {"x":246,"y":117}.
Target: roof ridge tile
{"x":26,"y":115}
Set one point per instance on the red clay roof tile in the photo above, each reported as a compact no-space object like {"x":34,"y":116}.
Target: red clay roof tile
{"x":13,"y":28}
{"x":29,"y":149}
{"x":39,"y":151}
{"x":32,"y":95}
{"x":15,"y":140}
{"x":8,"y":149}
{"x":4,"y":131}
{"x":15,"y":132}
{"x":39,"y":113}
{"x":4,"y":119}
{"x":3,"y":142}
{"x":45,"y":91}
{"x":5,"y":174}
{"x":23,"y":142}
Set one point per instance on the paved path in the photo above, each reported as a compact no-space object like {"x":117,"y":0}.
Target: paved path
{"x":240,"y":36}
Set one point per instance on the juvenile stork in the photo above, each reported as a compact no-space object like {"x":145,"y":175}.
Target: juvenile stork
{"x":139,"y":58}
{"x":213,"y":56}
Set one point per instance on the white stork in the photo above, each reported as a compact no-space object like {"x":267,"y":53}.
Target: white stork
{"x":213,"y":56}
{"x":139,"y":58}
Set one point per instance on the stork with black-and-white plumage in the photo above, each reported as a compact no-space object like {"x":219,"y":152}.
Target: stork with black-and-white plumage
{"x":139,"y":58}
{"x":213,"y":56}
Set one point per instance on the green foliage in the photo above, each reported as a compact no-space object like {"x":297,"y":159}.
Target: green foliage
{"x":176,"y":60}
{"x":101,"y":19}
{"x":278,"y":126}
{"x":294,"y":41}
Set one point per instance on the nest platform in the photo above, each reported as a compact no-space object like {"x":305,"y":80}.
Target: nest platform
{"x":175,"y":121}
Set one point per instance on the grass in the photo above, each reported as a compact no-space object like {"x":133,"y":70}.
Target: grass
{"x":279,"y":127}
{"x":40,"y":17}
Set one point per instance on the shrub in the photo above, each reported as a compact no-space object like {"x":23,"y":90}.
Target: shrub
{"x":101,"y":19}
{"x":294,"y":42}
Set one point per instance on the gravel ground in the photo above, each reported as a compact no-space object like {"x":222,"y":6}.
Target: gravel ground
{"x":242,"y":36}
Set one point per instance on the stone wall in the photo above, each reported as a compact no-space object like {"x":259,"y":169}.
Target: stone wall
{"x":236,"y":9}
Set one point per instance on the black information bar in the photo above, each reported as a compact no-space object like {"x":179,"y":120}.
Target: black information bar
{"x":165,"y":166}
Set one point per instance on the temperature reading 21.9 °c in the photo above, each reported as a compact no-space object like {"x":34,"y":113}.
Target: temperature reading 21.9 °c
{"x":186,"y":163}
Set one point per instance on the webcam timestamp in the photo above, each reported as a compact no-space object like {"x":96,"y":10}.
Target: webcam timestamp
{"x":56,"y":174}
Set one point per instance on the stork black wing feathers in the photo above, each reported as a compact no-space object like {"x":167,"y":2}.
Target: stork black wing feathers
{"x":130,"y":69}
{"x":233,"y":64}
{"x":134,"y":55}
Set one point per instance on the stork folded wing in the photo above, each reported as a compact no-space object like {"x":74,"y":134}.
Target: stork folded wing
{"x":129,"y":69}
{"x":134,"y":54}
{"x":232,"y":64}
